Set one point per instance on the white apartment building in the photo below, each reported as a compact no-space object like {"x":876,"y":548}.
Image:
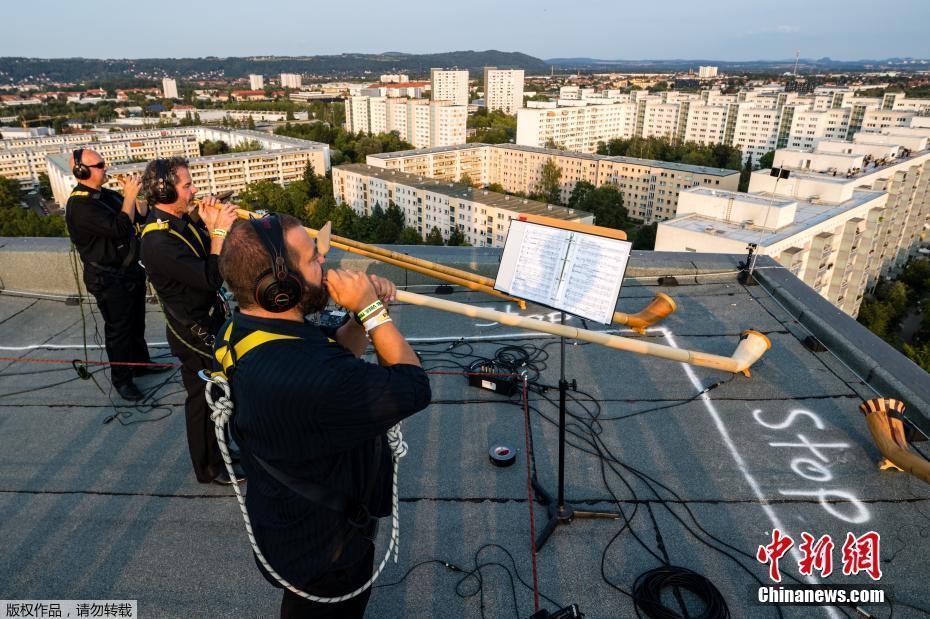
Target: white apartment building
{"x":707,"y":124}
{"x":394,"y":78}
{"x":291,"y":80}
{"x":756,"y":130}
{"x":483,"y":217}
{"x":256,"y":82}
{"x":449,"y":86}
{"x":169,"y":88}
{"x":756,"y":120}
{"x":503,"y":89}
{"x":281,"y":159}
{"x":810,"y":126}
{"x":839,"y":221}
{"x":423,"y":123}
{"x":577,"y":128}
{"x":650,"y":188}
{"x":707,"y":72}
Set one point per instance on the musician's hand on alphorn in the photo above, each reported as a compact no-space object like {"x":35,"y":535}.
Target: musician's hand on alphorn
{"x":384,"y":288}
{"x":350,"y":289}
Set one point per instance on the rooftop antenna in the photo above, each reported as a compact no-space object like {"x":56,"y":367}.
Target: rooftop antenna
{"x":797,"y":59}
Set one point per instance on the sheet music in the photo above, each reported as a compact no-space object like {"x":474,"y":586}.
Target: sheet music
{"x":576,"y":272}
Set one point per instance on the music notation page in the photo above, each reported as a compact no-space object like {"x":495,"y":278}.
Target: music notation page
{"x":575,"y":272}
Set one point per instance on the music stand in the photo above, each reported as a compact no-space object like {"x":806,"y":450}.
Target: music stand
{"x":573,"y":268}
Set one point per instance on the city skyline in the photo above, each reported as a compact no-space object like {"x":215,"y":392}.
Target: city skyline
{"x":672,"y":30}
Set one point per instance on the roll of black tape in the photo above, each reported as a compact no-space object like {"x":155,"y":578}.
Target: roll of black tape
{"x":502,"y":455}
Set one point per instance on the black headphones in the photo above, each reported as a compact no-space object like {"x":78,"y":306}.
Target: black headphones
{"x":80,"y":171}
{"x":164,"y":192}
{"x":279,"y":288}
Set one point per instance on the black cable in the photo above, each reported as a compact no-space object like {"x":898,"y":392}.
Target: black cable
{"x":648,"y":588}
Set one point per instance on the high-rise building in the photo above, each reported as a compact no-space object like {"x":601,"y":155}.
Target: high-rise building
{"x":837,"y":217}
{"x":449,"y":86}
{"x":503,"y":89}
{"x":169,"y":88}
{"x":421,"y":122}
{"x":395,"y":78}
{"x":291,"y":80}
{"x":482,"y":217}
{"x":256,"y":82}
{"x":577,"y":128}
{"x":707,"y":71}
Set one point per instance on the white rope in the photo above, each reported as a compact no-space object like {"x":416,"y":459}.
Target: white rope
{"x":222,"y":411}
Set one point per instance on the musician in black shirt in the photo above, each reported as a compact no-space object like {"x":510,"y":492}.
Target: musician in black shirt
{"x":181,"y":258}
{"x":309,"y":406}
{"x":101,"y":224}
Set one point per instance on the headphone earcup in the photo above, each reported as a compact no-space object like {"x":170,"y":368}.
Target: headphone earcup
{"x":278,"y":295}
{"x":81,"y":172}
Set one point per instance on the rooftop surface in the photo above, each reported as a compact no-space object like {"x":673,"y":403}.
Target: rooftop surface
{"x":808,"y":214}
{"x":704,"y":464}
{"x":683,"y":167}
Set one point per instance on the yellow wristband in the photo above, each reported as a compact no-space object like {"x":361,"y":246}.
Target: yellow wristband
{"x":218,"y":233}
{"x":366,"y":313}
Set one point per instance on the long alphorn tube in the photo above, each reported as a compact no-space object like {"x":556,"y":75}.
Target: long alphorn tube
{"x":750,"y":348}
{"x":660,"y":307}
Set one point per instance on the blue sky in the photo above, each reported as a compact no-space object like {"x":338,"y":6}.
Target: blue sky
{"x":618,"y":29}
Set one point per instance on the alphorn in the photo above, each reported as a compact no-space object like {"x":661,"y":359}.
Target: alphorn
{"x":750,"y":348}
{"x":660,"y":307}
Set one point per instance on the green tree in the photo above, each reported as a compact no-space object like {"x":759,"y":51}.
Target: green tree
{"x":745,"y":175}
{"x":606,"y":203}
{"x":496,"y":187}
{"x":434,"y":237}
{"x":767,"y":160}
{"x":579,"y":194}
{"x":15,"y":221}
{"x":312,"y":181}
{"x":247,"y":146}
{"x":45,"y":186}
{"x":457,"y":238}
{"x":321,"y":210}
{"x":409,"y":236}
{"x":549,"y":184}
{"x":251,"y":123}
{"x":465,"y":179}
{"x":645,"y":237}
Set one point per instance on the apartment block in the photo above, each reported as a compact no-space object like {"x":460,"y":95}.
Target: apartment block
{"x":483,"y":217}
{"x":842,"y":219}
{"x":423,"y":123}
{"x":707,"y":72}
{"x":503,"y":89}
{"x":281,"y":159}
{"x":576,"y":128}
{"x":756,"y":120}
{"x":169,"y":88}
{"x":291,"y":80}
{"x":256,"y":82}
{"x":449,"y":86}
{"x":650,"y":188}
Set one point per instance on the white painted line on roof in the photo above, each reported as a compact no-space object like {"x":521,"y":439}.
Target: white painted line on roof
{"x":740,"y":463}
{"x":67,"y":346}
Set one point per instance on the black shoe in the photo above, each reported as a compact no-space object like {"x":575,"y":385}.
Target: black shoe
{"x":224,"y":479}
{"x":129,"y":391}
{"x":146,"y":370}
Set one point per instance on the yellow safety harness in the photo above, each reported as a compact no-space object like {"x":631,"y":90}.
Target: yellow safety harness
{"x":165,"y":225}
{"x":228,"y":355}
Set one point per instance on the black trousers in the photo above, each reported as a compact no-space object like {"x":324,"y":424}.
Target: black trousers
{"x":338,"y":581}
{"x":121,"y":301}
{"x":201,"y":437}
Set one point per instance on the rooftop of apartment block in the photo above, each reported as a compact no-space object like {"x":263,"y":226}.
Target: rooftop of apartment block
{"x":98,"y":500}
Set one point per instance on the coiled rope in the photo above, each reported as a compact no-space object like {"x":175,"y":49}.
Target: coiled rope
{"x":222,"y":411}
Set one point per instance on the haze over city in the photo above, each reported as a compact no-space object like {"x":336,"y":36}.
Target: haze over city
{"x":713,"y":29}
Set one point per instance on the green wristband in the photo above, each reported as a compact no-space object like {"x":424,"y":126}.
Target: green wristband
{"x":368,"y":311}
